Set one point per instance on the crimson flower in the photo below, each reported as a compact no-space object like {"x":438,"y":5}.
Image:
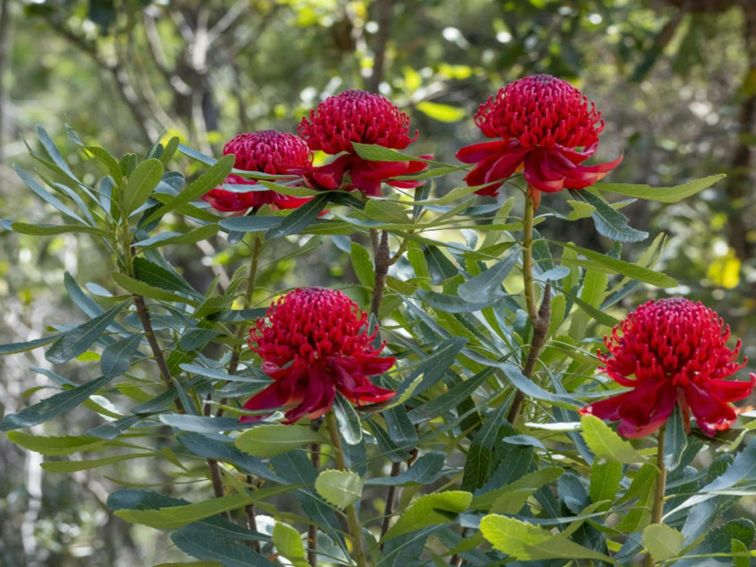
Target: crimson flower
{"x":365,"y":118}
{"x":545,"y":127}
{"x":314,"y":342}
{"x":266,"y":151}
{"x":671,"y":351}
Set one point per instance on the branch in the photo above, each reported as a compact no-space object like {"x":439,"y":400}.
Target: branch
{"x":383,"y":13}
{"x":159,"y":58}
{"x":227,"y":21}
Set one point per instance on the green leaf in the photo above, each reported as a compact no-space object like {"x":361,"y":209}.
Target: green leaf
{"x":195,"y":235}
{"x":217,"y":545}
{"x":251,"y":223}
{"x":526,"y":542}
{"x":140,"y":288}
{"x":661,"y":194}
{"x":210,"y":179}
{"x":599,"y":261}
{"x":76,"y":341}
{"x":675,"y":439}
{"x":52,"y":150}
{"x":116,"y":358}
{"x":449,"y":399}
{"x":107,"y":162}
{"x":53,"y":229}
{"x":385,"y":211}
{"x":580,"y":210}
{"x":53,"y":406}
{"x":158,"y":276}
{"x":45,"y":195}
{"x":174,"y":517}
{"x":605,"y":481}
{"x":424,"y":470}
{"x":441,"y":112}
{"x":362,"y":265}
{"x":486,"y":286}
{"x":56,"y":446}
{"x":13,"y":348}
{"x":662,"y":541}
{"x":348,"y":420}
{"x":270,"y":439}
{"x":141,"y":184}
{"x":429,"y":510}
{"x":373,"y":152}
{"x":169,"y":150}
{"x":510,"y":498}
{"x":339,"y":488}
{"x":480,"y":455}
{"x":605,"y":443}
{"x":610,"y":222}
{"x":75,"y":466}
{"x":289,"y":544}
{"x":299,"y":219}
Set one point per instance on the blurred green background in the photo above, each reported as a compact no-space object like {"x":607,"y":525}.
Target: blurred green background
{"x":675,"y":80}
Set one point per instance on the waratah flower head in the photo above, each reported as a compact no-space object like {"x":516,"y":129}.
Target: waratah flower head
{"x":545,"y":127}
{"x":671,"y":351}
{"x":266,"y":151}
{"x":356,"y":116}
{"x":314,"y":342}
{"x":541,"y":110}
{"x":365,"y":118}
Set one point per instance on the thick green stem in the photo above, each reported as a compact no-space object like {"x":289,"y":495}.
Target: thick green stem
{"x":527,"y":258}
{"x":660,"y":488}
{"x":353,"y":521}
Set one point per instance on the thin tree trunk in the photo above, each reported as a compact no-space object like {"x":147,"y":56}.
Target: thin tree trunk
{"x":5,"y":29}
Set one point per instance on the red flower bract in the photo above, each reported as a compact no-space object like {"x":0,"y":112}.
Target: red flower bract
{"x":314,"y":342}
{"x":266,"y":151}
{"x":671,"y":351}
{"x":548,"y":128}
{"x":365,"y":118}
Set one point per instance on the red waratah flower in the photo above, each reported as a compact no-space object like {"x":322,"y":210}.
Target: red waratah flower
{"x":547,"y":128}
{"x":671,"y":351}
{"x":314,"y":342}
{"x":365,"y":118}
{"x":267,"y":151}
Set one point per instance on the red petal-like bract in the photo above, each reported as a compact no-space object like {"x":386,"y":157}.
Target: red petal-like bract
{"x":266,"y":151}
{"x":365,"y":118}
{"x":546,"y":128}
{"x":671,"y":351}
{"x":314,"y":342}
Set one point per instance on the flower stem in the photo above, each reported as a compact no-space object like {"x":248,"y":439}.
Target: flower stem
{"x":253,"y":263}
{"x":539,"y":317}
{"x":353,"y":521}
{"x":312,"y":529}
{"x":382,"y":262}
{"x":660,"y":488}
{"x":527,"y":258}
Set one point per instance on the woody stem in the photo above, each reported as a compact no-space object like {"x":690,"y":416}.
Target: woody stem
{"x":539,"y":317}
{"x":353,"y":521}
{"x":382,"y":262}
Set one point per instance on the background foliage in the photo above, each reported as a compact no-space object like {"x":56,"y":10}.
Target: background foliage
{"x":675,"y":81}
